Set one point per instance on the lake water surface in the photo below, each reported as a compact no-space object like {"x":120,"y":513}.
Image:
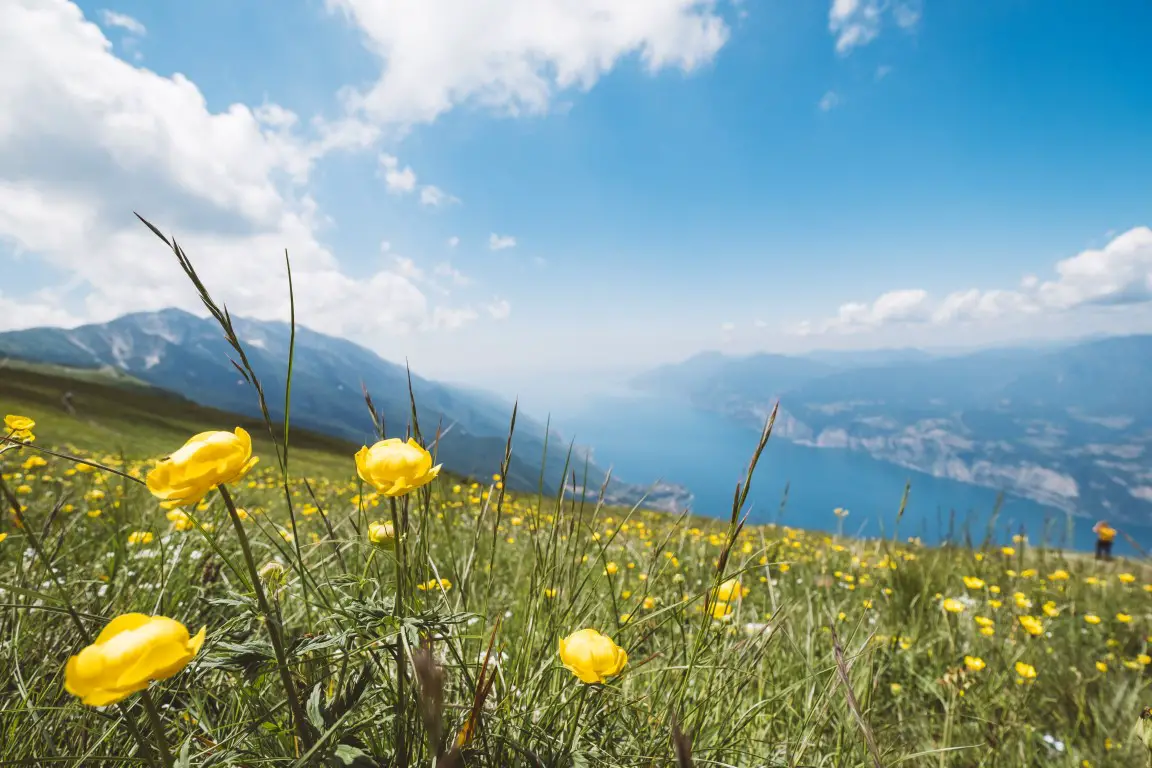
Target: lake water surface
{"x":647,"y":438}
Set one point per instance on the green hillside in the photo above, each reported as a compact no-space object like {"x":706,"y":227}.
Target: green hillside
{"x":112,"y":413}
{"x":515,"y":631}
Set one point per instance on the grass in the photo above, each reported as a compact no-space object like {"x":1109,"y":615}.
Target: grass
{"x":120,"y":416}
{"x":840,"y":652}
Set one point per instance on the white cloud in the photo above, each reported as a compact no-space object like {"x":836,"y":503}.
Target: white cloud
{"x":760,"y":323}
{"x":515,"y":55}
{"x":499,"y":309}
{"x":86,"y":138}
{"x":447,"y":319}
{"x":449,"y":272}
{"x":500,"y":242}
{"x":1117,"y":275}
{"x":397,"y":179}
{"x":406,"y":267}
{"x":453,"y":241}
{"x":435,"y":197}
{"x":828,"y":101}
{"x":728,"y":327}
{"x":402,"y":181}
{"x":124,"y":22}
{"x":856,"y":23}
{"x":908,"y":13}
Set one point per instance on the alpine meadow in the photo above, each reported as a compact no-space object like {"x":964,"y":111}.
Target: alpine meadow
{"x":575,"y":384}
{"x":222,"y":605}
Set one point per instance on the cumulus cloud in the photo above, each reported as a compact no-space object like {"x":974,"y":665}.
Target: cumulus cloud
{"x":500,"y":242}
{"x":514,"y":56}
{"x":86,"y":138}
{"x":435,"y":197}
{"x":453,"y":241}
{"x":828,"y":101}
{"x":124,"y":22}
{"x":397,"y":179}
{"x":855,"y":23}
{"x":1119,"y":274}
{"x":402,"y":181}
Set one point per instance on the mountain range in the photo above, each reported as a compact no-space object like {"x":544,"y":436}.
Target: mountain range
{"x":1067,"y":425}
{"x":179,"y":352}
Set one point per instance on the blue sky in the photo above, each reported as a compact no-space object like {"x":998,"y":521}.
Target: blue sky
{"x":691,"y":175}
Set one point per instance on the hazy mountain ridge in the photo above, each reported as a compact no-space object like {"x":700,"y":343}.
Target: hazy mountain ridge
{"x":188,"y":355}
{"x":1069,"y":426}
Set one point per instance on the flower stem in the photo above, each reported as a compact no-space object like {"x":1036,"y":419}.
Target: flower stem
{"x":274,"y":629}
{"x":576,"y":720}
{"x":157,"y":730}
{"x":401,"y":660}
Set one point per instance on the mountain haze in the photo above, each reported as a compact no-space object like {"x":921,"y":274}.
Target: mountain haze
{"x":182,"y":353}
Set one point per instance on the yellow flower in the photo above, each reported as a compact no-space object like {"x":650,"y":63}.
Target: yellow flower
{"x":1008,"y":551}
{"x":20,"y":427}
{"x":974,"y":663}
{"x":895,"y":688}
{"x":207,"y":460}
{"x":591,"y":656}
{"x":1101,"y":666}
{"x":1025,"y":671}
{"x":133,"y":650}
{"x":382,"y":534}
{"x":1050,"y":609}
{"x":953,"y":605}
{"x":611,"y":569}
{"x":728,"y":591}
{"x":1032,"y":625}
{"x":1123,"y":618}
{"x":1126,"y":578}
{"x":443,"y":584}
{"x":721,"y":609}
{"x":1091,"y":618}
{"x":140,"y":537}
{"x":550,"y":593}
{"x":973,"y":582}
{"x":180,"y":520}
{"x":395,"y":467}
{"x":1059,"y":575}
{"x":2,"y":537}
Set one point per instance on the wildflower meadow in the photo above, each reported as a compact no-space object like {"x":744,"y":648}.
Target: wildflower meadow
{"x":230,"y":602}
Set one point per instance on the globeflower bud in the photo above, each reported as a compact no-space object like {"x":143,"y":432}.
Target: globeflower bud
{"x":382,"y":535}
{"x":592,"y":656}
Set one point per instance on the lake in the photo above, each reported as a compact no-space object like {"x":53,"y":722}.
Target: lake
{"x":647,"y":438}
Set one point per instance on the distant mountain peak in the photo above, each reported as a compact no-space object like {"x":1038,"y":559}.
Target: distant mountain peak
{"x":183,"y":353}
